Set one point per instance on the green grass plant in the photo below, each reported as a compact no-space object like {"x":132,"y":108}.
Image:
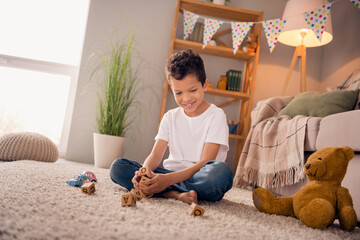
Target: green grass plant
{"x":119,"y":90}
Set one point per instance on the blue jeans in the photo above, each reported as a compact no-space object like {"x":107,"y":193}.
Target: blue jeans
{"x":210,"y":183}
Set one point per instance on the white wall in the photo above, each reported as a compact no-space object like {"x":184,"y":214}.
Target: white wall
{"x":153,"y":37}
{"x":342,"y":55}
{"x":154,"y":20}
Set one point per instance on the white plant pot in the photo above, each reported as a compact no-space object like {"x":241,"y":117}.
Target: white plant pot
{"x":107,"y":148}
{"x":221,"y":2}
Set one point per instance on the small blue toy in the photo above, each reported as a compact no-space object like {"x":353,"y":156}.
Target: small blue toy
{"x":77,"y":180}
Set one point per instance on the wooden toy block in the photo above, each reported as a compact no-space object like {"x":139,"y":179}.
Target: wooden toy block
{"x":138,"y":194}
{"x":128,"y":200}
{"x":88,"y":188}
{"x":146,"y":195}
{"x":196,"y":210}
{"x":144,"y":170}
{"x":142,"y":179}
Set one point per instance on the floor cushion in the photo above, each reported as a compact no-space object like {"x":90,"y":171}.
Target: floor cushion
{"x":27,"y":146}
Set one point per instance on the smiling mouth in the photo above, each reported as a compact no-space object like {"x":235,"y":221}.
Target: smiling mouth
{"x":188,"y":105}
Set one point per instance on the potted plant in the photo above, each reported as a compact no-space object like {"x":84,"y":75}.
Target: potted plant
{"x":116,"y":97}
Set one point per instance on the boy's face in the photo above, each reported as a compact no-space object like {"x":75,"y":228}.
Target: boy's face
{"x":189,"y":94}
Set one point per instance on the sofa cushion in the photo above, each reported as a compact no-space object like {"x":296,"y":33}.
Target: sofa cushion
{"x":321,"y":104}
{"x":339,"y":130}
{"x":27,"y":146}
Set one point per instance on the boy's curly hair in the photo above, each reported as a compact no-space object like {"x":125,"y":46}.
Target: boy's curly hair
{"x":185,"y":62}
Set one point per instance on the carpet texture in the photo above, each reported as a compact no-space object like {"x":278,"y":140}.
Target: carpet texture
{"x":35,"y":203}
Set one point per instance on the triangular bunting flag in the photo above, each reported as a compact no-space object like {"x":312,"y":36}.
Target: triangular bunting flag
{"x":356,"y":3}
{"x":189,"y":22}
{"x":210,"y":28}
{"x":272,"y":29}
{"x":239,"y":31}
{"x":317,"y":19}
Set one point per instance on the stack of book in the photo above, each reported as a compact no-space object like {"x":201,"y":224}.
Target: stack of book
{"x":233,"y":80}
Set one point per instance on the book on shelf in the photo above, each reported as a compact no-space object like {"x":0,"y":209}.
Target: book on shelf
{"x":233,"y":80}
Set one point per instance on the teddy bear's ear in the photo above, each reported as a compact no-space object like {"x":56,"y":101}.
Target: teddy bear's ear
{"x":349,"y":153}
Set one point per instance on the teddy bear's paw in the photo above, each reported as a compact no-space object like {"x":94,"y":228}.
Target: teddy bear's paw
{"x":318,"y":213}
{"x":263,"y":199}
{"x":347,"y":218}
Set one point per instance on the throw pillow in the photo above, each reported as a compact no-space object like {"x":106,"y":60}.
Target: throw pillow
{"x":321,"y":104}
{"x":356,"y":85}
{"x":27,"y":146}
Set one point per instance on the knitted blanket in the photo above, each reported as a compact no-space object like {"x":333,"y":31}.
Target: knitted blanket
{"x":273,"y":153}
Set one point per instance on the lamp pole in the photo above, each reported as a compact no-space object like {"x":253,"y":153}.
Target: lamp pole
{"x":300,"y":52}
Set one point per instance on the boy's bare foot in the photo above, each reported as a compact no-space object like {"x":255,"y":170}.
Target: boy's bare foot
{"x":186,"y":197}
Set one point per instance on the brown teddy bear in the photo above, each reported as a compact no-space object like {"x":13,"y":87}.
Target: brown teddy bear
{"x":251,"y":43}
{"x":322,"y":199}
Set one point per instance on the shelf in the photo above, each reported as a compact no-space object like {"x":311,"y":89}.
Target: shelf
{"x":236,"y":136}
{"x":226,"y":93}
{"x":244,"y":98}
{"x":212,"y":50}
{"x":220,"y":11}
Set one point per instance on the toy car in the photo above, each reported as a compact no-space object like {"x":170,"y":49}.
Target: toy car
{"x":77,"y":180}
{"x":90,"y":175}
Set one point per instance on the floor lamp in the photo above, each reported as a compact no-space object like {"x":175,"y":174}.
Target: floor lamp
{"x":297,"y":33}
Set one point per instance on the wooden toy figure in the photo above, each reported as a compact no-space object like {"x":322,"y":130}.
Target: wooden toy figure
{"x":88,"y":187}
{"x":222,"y":82}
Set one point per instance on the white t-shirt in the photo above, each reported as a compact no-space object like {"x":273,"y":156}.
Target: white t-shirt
{"x":186,"y":136}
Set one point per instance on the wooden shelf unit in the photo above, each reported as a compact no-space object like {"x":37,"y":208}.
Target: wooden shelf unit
{"x":251,"y":59}
{"x":212,"y":50}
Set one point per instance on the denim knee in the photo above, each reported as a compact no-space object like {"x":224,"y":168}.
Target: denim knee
{"x":122,"y":171}
{"x":219,"y":179}
{"x":219,"y":169}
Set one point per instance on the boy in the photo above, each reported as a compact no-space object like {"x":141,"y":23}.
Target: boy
{"x":197,"y":135}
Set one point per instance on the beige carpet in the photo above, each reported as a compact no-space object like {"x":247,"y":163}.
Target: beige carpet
{"x":35,"y":203}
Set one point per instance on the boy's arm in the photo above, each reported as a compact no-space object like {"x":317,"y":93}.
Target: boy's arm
{"x":153,"y":160}
{"x":209,"y":153}
{"x":156,"y":155}
{"x":160,"y":181}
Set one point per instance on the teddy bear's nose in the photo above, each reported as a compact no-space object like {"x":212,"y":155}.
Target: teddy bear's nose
{"x":307,"y":166}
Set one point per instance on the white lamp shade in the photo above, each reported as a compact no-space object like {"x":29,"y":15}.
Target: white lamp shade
{"x":295,"y":23}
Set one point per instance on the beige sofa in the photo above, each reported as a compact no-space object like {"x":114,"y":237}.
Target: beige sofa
{"x":267,"y":146}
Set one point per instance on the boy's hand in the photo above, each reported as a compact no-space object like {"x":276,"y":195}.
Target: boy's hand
{"x":155,"y":184}
{"x":136,"y":179}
